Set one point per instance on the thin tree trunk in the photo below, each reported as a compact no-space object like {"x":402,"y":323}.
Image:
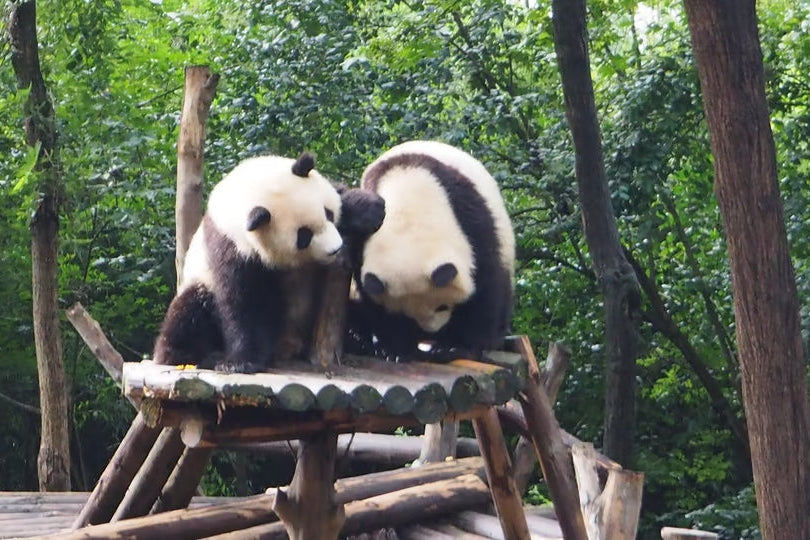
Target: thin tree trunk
{"x":53,"y":462}
{"x":766,"y":306}
{"x":200,"y":89}
{"x":616,"y":277}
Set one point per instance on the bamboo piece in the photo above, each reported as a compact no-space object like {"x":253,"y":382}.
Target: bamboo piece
{"x":146,"y":486}
{"x":554,"y":461}
{"x":500,"y":475}
{"x":198,"y":94}
{"x":118,"y":474}
{"x":181,"y":485}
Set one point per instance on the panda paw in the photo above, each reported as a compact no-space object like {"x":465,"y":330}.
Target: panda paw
{"x":362,"y":211}
{"x":228,"y":366}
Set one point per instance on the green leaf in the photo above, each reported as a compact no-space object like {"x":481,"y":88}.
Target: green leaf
{"x":24,"y":172}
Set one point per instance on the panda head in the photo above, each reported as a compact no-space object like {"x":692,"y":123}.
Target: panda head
{"x":280,"y":210}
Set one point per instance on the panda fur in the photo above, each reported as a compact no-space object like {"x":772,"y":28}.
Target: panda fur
{"x":441,"y":266}
{"x":249,"y":275}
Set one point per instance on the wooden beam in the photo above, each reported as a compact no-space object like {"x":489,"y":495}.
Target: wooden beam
{"x":308,"y":508}
{"x":181,"y":485}
{"x":118,"y":474}
{"x":145,"y":488}
{"x":507,"y":500}
{"x":554,"y":461}
{"x":252,"y":511}
{"x":552,"y":376}
{"x":675,"y":533}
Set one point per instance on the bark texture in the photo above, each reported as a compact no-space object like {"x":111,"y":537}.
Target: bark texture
{"x":616,"y":277}
{"x":53,"y":462}
{"x":772,"y":361}
{"x":200,"y":89}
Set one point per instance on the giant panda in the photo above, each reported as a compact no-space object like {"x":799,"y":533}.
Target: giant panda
{"x":441,"y":266}
{"x":248,"y":274}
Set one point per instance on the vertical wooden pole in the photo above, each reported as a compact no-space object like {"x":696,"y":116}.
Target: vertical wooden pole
{"x":200,"y":88}
{"x":508,"y":504}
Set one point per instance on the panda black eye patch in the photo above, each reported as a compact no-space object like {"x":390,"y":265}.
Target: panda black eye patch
{"x":304,"y":237}
{"x":443,"y":307}
{"x":330,"y":216}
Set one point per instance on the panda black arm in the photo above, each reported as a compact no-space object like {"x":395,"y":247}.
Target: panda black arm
{"x":190,"y":333}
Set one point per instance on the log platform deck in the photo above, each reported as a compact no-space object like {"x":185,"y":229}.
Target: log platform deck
{"x":347,"y":397}
{"x":36,"y":514}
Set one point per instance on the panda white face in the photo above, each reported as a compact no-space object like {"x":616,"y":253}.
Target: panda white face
{"x":278,"y":209}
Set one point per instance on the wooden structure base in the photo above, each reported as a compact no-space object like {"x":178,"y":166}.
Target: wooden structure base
{"x":186,"y":413}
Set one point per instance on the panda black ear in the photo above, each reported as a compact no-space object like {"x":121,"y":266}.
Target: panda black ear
{"x":257,"y":217}
{"x":373,"y":285}
{"x":304,"y":164}
{"x":443,"y":274}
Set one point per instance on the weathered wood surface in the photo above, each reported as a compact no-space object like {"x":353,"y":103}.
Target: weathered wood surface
{"x":675,"y":533}
{"x":508,"y":504}
{"x":199,"y":92}
{"x":612,"y":513}
{"x":114,"y":481}
{"x":22,"y":514}
{"x":428,"y":391}
{"x":544,"y":431}
{"x":183,"y":481}
{"x":308,"y":507}
{"x":378,"y":448}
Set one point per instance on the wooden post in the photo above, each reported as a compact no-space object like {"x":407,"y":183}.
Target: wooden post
{"x":200,"y":88}
{"x":439,"y":442}
{"x":183,"y":482}
{"x":119,"y":473}
{"x":146,"y":486}
{"x":554,"y":461}
{"x":501,"y":477}
{"x":611,"y":513}
{"x":552,"y":376}
{"x":309,"y":508}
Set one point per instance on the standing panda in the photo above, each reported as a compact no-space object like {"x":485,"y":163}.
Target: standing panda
{"x":441,"y":266}
{"x":249,"y":273}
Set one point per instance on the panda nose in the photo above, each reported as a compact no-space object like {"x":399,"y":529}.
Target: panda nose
{"x":335,"y":251}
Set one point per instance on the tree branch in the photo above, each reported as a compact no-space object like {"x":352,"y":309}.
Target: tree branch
{"x":20,"y":404}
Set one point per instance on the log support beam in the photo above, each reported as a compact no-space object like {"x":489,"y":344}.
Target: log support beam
{"x":507,"y":499}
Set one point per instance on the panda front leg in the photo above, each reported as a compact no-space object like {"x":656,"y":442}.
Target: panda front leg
{"x":250,"y":333}
{"x":190,"y":333}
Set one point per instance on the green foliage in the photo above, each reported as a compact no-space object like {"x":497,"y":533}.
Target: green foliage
{"x":349,"y":79}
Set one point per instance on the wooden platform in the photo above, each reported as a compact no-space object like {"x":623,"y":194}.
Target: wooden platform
{"x":31,"y":514}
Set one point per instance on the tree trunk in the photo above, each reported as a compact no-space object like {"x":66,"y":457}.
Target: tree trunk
{"x":615,"y":275}
{"x":766,"y":307}
{"x":53,"y":462}
{"x":200,"y":89}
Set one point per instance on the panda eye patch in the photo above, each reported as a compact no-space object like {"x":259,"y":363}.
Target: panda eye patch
{"x":443,"y":307}
{"x":304,"y":237}
{"x":330,"y":216}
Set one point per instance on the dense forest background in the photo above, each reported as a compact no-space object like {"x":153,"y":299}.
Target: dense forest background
{"x":348,"y":79}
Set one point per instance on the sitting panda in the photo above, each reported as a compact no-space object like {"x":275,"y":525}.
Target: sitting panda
{"x":441,"y":266}
{"x":249,"y":273}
